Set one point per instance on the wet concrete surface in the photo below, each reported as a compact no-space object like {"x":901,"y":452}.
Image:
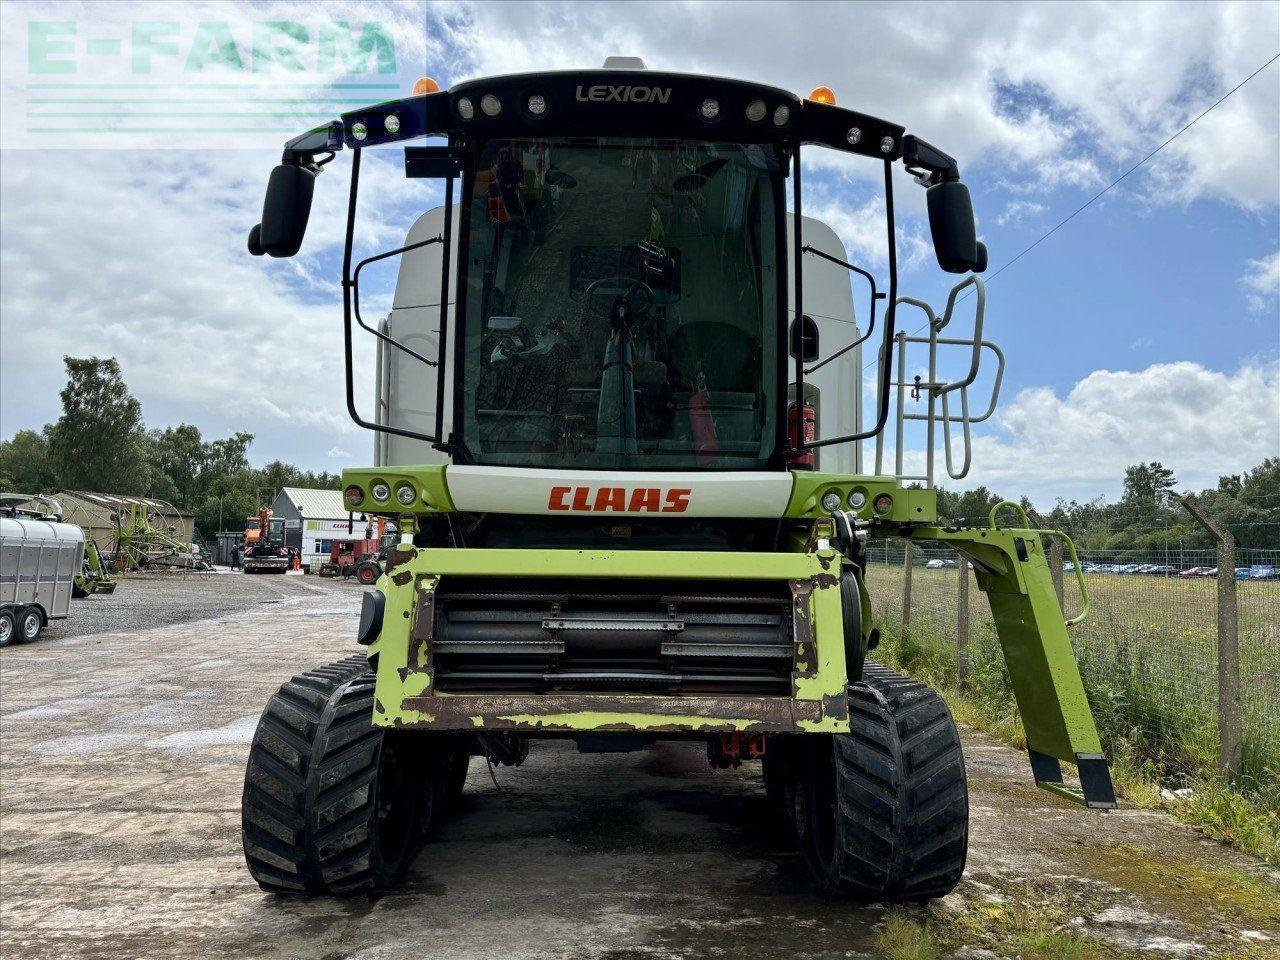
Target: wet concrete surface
{"x":145,"y":600}
{"x":121,"y":764}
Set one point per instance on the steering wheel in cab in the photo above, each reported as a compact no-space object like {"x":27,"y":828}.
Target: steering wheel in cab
{"x":624,"y":288}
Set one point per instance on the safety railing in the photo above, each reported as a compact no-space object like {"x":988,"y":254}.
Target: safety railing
{"x":937,"y":393}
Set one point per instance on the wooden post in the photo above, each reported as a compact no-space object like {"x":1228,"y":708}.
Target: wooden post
{"x":906,"y":586}
{"x":962,"y":622}
{"x":1230,"y":718}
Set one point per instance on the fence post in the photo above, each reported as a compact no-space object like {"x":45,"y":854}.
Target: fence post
{"x":1055,"y":555}
{"x":1230,"y":719}
{"x":906,"y":587}
{"x":962,"y":622}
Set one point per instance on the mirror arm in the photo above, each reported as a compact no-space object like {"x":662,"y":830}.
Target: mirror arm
{"x":348,"y":284}
{"x":302,"y":149}
{"x":927,"y":163}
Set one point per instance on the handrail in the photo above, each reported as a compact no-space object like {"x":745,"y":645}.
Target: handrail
{"x":355,"y":295}
{"x":940,"y":390}
{"x":1086,"y":601}
{"x":1022,"y":514}
{"x":875,"y":295}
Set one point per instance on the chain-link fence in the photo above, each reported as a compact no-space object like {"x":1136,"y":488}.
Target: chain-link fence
{"x":1149,"y":649}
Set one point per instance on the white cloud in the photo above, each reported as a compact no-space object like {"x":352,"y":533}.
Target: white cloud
{"x":1261,"y":281}
{"x":141,"y":255}
{"x":338,"y":453}
{"x":1142,"y":343}
{"x":145,"y":261}
{"x":863,"y":231}
{"x":1061,"y":92}
{"x":1201,"y":423}
{"x":1015,"y":211}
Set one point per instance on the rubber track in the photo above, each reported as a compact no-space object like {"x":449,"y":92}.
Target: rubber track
{"x":314,"y":750}
{"x":903,"y":798}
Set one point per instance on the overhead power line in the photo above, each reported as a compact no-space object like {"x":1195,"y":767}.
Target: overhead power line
{"x":1097,"y":196}
{"x":1101,"y":193}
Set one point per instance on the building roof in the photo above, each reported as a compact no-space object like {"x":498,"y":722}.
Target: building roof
{"x":317,"y":504}
{"x":114,"y":501}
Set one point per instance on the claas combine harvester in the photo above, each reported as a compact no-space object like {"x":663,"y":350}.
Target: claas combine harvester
{"x":626,"y":467}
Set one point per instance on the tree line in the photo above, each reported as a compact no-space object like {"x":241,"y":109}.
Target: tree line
{"x":1147,"y":518}
{"x":101,"y":444}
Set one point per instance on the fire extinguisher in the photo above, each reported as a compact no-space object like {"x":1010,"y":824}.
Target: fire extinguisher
{"x":802,"y":423}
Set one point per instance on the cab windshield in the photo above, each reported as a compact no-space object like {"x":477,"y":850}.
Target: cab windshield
{"x":621,"y":304}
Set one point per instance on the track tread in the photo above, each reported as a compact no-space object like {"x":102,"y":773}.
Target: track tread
{"x":902,"y":796}
{"x":309,"y":794}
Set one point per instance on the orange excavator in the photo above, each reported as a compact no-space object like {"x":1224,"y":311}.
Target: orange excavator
{"x":264,"y":549}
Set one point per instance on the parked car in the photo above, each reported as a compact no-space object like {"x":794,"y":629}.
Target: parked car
{"x":1197,"y":572}
{"x":1263,"y":571}
{"x":1161,"y":570}
{"x":1242,"y":573}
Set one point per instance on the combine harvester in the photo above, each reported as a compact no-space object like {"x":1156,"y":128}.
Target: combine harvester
{"x":629,"y":482}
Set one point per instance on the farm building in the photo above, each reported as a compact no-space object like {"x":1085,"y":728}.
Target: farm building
{"x":97,"y":514}
{"x":313,"y":519}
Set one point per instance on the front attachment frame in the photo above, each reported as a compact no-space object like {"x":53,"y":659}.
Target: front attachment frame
{"x":1011,"y":568}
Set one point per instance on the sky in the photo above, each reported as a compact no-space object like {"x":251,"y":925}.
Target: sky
{"x":1146,"y":328}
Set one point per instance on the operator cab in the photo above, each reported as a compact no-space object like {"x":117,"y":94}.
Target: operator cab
{"x":626,"y":274}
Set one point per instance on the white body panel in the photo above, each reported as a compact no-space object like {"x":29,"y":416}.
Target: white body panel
{"x":689,"y":494}
{"x":39,"y":559}
{"x":828,"y":300}
{"x":406,"y":388}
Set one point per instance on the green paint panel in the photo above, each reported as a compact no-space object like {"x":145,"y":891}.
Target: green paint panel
{"x":1033,"y":636}
{"x":427,"y":481}
{"x":404,"y":696}
{"x":910,"y":505}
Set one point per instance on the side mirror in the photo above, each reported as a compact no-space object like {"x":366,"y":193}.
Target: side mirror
{"x":284,"y":212}
{"x":804,"y":339}
{"x":955,"y":239}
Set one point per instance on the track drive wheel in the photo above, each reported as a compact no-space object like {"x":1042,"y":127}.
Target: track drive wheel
{"x":331,"y":803}
{"x":882,"y":812}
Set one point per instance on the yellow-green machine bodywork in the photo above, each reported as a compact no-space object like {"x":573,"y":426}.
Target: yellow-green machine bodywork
{"x":1010,"y":566}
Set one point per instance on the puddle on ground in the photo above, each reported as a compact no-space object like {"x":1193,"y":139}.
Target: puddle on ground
{"x":38,"y":713}
{"x":238,"y":732}
{"x":83,"y":744}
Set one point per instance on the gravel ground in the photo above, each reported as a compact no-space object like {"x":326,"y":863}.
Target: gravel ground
{"x":122,"y":758}
{"x":143,"y":601}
